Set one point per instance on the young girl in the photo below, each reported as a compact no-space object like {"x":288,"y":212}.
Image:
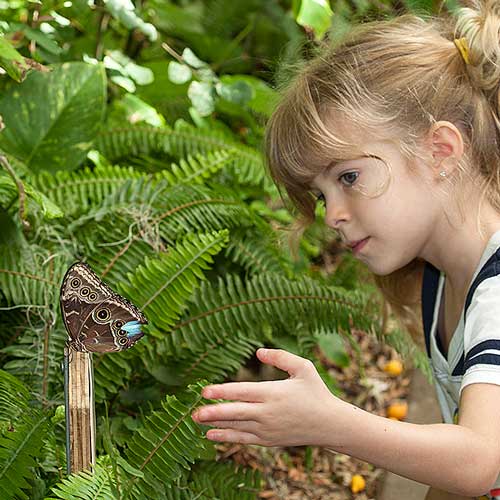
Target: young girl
{"x":397,"y":130}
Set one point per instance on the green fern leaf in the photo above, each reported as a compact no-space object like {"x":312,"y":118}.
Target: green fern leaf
{"x":30,"y":275}
{"x":215,"y":362}
{"x":162,"y":286}
{"x":78,"y":191}
{"x":268,"y":299}
{"x":14,"y":397}
{"x":113,"y":372}
{"x":123,"y":232}
{"x":258,"y":251}
{"x":196,"y":169}
{"x":19,"y":447}
{"x":36,"y":357}
{"x":167,"y":443}
{"x":225,"y":481}
{"x":179,"y":142}
{"x":86,"y":485}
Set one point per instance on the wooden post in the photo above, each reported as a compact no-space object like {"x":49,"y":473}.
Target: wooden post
{"x":80,"y":410}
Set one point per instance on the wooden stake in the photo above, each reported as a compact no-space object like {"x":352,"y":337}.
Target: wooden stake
{"x":80,"y":410}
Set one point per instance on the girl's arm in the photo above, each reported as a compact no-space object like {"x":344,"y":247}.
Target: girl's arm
{"x":455,"y":458}
{"x":462,"y":459}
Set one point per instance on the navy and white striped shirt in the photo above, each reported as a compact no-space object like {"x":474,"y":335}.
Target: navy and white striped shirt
{"x":474,"y":350}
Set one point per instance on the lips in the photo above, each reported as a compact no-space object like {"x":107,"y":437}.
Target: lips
{"x":359,"y":245}
{"x":352,"y":244}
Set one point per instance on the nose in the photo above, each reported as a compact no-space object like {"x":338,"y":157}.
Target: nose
{"x":336,"y":214}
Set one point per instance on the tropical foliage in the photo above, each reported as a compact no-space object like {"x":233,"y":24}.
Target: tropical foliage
{"x":131,"y":138}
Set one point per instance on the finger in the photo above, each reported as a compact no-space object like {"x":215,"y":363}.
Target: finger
{"x":225,"y":411}
{"x":242,"y":391}
{"x":233,"y":436}
{"x":284,"y":360}
{"x":239,"y":425}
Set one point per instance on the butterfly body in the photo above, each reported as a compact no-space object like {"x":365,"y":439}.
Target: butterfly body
{"x":97,"y":318}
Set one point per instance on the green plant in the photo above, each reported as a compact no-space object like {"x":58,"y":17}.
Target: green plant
{"x":173,"y":208}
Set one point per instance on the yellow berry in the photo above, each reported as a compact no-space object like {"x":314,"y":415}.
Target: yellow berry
{"x":357,"y":483}
{"x":393,"y":367}
{"x":397,"y":410}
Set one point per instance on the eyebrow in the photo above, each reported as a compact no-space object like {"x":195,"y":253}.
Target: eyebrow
{"x":334,"y":164}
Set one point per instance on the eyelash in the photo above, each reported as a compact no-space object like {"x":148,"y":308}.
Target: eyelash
{"x":349,"y":173}
{"x":321,"y":197}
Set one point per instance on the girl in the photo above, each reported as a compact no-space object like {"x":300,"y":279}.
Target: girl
{"x":397,"y":130}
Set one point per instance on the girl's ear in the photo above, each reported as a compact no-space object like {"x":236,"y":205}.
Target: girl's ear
{"x":445,"y":144}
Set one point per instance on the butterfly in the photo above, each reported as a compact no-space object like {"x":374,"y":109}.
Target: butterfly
{"x":97,"y":318}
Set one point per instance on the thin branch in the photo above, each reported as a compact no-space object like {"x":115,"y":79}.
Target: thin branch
{"x":20,"y":187}
{"x":34,"y":22}
{"x":103,"y":22}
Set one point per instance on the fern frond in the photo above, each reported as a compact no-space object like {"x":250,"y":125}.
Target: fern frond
{"x":162,"y":286}
{"x":19,"y":447}
{"x":14,"y":397}
{"x":257,"y":252}
{"x":126,"y":141}
{"x":268,"y":299}
{"x":117,"y":244}
{"x":30,"y":275}
{"x":36,"y":357}
{"x":225,"y":481}
{"x":77,"y":192}
{"x":14,"y":322}
{"x":215,"y":362}
{"x":196,"y":169}
{"x":8,"y":190}
{"x":167,"y":442}
{"x":179,"y":142}
{"x":111,"y":373}
{"x":86,"y":485}
{"x":139,"y":192}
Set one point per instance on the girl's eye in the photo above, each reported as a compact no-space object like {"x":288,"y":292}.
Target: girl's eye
{"x":350,"y":180}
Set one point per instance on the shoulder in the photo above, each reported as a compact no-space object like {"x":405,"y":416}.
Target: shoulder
{"x":482,"y":334}
{"x":485,"y":301}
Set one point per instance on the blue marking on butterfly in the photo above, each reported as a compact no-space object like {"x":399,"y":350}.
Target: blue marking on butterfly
{"x":132,"y":328}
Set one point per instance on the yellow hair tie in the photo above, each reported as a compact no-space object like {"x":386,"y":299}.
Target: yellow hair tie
{"x":463,"y":47}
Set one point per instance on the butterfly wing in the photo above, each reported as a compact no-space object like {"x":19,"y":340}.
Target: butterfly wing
{"x":97,"y":319}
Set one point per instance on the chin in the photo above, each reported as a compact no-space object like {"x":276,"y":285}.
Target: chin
{"x":382,"y":269}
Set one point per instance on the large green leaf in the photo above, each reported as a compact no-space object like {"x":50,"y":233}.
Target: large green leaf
{"x":51,"y":119}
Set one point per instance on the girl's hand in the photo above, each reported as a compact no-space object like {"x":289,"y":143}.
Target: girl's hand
{"x":290,"y":412}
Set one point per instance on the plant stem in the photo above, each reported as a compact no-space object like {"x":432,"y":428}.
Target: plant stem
{"x":20,"y":187}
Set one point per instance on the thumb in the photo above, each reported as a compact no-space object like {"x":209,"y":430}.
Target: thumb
{"x":283,"y":360}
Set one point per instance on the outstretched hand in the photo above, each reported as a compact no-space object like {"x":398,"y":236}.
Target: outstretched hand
{"x":290,"y":412}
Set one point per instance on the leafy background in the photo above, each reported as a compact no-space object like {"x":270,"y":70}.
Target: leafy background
{"x":131,"y":138}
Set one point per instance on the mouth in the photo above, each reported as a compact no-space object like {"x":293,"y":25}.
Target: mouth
{"x":357,"y":246}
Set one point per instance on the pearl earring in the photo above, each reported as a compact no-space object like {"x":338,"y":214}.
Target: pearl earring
{"x":442,"y":173}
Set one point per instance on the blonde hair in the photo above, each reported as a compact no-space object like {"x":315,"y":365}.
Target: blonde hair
{"x":391,"y":80}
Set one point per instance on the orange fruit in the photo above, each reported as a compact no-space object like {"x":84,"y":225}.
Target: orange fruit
{"x":357,"y":483}
{"x":397,"y":410}
{"x":393,"y":367}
